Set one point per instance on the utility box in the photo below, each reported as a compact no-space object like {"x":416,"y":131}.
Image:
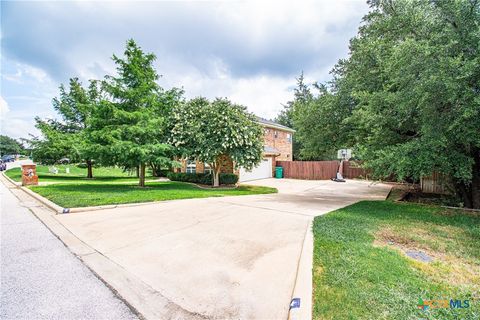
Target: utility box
{"x":29,"y":175}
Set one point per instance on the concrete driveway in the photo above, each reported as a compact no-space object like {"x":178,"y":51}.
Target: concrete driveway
{"x":221,"y":258}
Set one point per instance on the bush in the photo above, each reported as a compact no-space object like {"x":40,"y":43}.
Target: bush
{"x":164,"y":172}
{"x":202,"y":178}
{"x":228,"y":178}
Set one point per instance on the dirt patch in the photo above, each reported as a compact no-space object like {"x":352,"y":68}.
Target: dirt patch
{"x":386,"y":237}
{"x":439,"y":265}
{"x":318,"y":270}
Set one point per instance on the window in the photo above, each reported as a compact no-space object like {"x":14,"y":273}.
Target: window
{"x":191,"y":166}
{"x":207,"y":169}
{"x":289,"y":137}
{"x":276,"y":134}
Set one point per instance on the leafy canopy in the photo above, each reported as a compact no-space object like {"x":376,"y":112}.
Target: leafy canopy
{"x":209,"y":130}
{"x":65,"y":137}
{"x":9,"y":145}
{"x":128,"y":126}
{"x":302,"y":97}
{"x":408,"y":97}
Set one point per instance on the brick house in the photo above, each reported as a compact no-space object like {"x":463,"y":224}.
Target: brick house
{"x":277,"y":146}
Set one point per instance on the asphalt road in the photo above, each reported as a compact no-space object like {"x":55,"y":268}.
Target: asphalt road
{"x":41,"y":278}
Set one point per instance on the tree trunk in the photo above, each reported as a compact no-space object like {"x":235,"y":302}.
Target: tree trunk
{"x":89,"y":169}
{"x":154,"y":170}
{"x":216,"y":177}
{"x":141,"y":181}
{"x":138,"y":171}
{"x":470,"y":193}
{"x":463,"y":191}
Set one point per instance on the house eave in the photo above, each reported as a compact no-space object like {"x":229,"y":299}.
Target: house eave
{"x":276,"y":127}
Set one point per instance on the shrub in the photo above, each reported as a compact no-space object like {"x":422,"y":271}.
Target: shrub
{"x":202,"y":178}
{"x":164,"y":172}
{"x":228,"y":178}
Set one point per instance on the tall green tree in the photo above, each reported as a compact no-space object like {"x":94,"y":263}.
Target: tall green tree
{"x":208,"y":131}
{"x":302,"y":97}
{"x":65,"y":137}
{"x":409,"y":92}
{"x":320,"y":131}
{"x":10,"y":146}
{"x":54,"y":143}
{"x":128,"y":126}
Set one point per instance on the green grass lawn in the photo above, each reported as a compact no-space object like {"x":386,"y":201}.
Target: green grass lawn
{"x":76,"y":175}
{"x":361,"y":270}
{"x":85,"y":194}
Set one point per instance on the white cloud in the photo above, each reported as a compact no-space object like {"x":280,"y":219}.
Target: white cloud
{"x":25,"y":73}
{"x":248,"y":51}
{"x":19,"y":128}
{"x":261,"y":94}
{"x":13,"y":126}
{"x":4,"y":108}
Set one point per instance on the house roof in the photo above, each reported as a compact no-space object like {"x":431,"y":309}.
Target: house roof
{"x":270,"y":150}
{"x":272,"y":124}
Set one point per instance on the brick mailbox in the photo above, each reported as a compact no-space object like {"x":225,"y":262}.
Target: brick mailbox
{"x":29,"y":175}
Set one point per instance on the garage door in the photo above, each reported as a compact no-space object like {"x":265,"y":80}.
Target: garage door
{"x":262,"y":171}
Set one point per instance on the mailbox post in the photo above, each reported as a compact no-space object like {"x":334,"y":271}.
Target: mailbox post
{"x":29,"y":175}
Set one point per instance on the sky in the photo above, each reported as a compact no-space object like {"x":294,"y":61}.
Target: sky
{"x":248,"y":51}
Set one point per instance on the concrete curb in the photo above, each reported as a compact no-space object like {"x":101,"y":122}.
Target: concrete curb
{"x":35,"y":195}
{"x":144,"y":301}
{"x":55,"y":207}
{"x":113,"y":206}
{"x":18,"y":184}
{"x":301,"y":303}
{"x":58,"y":209}
{"x":83,"y":251}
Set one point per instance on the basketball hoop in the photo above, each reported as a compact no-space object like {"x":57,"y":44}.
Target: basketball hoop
{"x":344,"y":154}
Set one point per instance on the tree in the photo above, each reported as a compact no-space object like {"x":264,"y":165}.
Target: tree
{"x":66,"y":137}
{"x":128,"y":127}
{"x":10,"y":146}
{"x":54,"y":143}
{"x":408,"y":94}
{"x":302,"y":96}
{"x":320,"y":131}
{"x":208,"y":131}
{"x":76,"y":108}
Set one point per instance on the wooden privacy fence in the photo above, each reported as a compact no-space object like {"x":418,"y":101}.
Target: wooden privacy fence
{"x":436,"y":183}
{"x":309,"y":170}
{"x":319,"y":170}
{"x":352,"y":169}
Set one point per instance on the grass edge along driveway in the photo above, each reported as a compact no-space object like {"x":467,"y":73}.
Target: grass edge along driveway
{"x":76,"y":175}
{"x":71,"y":195}
{"x":361,"y":270}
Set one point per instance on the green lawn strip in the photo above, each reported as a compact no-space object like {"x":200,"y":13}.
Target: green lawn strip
{"x":357,"y":276}
{"x":76,"y":175}
{"x":83,"y":195}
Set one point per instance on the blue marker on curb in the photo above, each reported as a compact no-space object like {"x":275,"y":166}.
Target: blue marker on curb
{"x":295,"y":303}
{"x":66,"y":210}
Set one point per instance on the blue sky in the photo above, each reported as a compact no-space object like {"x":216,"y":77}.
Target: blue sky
{"x":248,"y":51}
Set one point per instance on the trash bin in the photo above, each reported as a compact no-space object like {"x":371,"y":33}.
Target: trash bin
{"x":278,"y":172}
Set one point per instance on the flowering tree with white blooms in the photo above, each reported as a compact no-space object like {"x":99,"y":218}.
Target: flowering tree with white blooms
{"x":209,"y":131}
